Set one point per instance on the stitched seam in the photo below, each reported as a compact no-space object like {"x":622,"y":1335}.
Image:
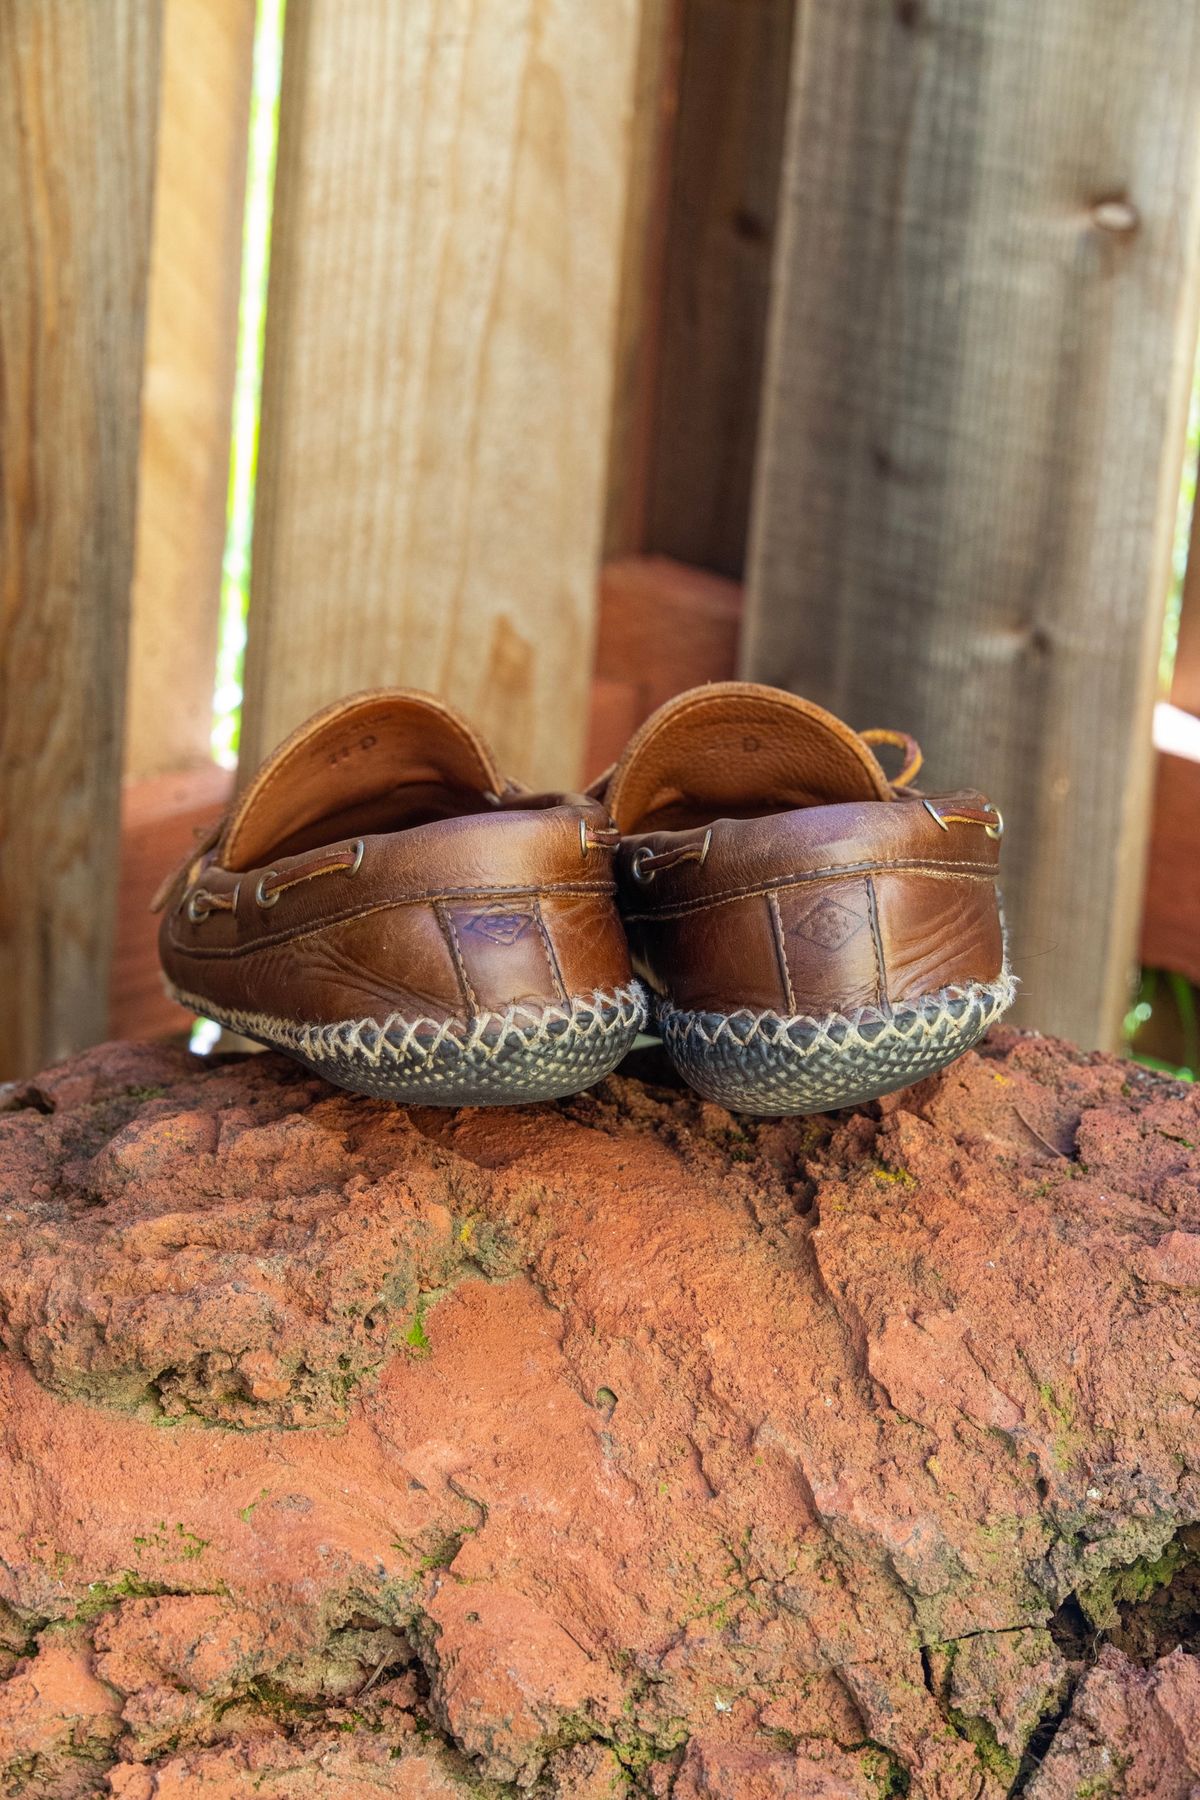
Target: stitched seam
{"x":877,"y":941}
{"x":296,"y":878}
{"x":548,"y":947}
{"x":293,"y":933}
{"x":928,"y":1013}
{"x":451,"y":936}
{"x":398,"y":1038}
{"x":781,"y":951}
{"x":835,"y":871}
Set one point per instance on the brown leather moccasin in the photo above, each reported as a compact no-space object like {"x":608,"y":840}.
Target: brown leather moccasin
{"x":814,"y":934}
{"x":384,"y":906}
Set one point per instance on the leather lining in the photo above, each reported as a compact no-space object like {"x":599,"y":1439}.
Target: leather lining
{"x":738,"y":750}
{"x":378,"y":761}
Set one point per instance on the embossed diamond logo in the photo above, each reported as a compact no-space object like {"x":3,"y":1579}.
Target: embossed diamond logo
{"x":828,"y":924}
{"x":501,"y":928}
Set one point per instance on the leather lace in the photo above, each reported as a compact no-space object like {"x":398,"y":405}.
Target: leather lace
{"x":900,"y":740}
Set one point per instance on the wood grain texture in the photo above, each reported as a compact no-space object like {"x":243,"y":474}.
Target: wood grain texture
{"x":643,"y":259}
{"x":187,"y":399}
{"x":439,"y":362}
{"x":733,"y":88}
{"x":78,"y":109}
{"x":979,"y":363}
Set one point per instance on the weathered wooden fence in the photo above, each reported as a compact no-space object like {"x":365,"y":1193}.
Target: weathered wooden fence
{"x":580,"y":317}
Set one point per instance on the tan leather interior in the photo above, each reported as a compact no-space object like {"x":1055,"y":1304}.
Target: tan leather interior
{"x":737,"y":750}
{"x":378,"y":761}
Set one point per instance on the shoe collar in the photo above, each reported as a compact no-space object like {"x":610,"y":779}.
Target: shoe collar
{"x":734,"y":745}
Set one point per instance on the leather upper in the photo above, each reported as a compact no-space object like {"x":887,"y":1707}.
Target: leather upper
{"x":768,"y":863}
{"x":379,"y":863}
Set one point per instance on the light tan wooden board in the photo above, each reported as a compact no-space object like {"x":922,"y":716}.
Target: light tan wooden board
{"x":980,"y":357}
{"x":78,"y":109}
{"x":439,"y":362}
{"x":187,"y":399}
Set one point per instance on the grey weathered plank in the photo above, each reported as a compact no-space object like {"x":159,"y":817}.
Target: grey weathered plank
{"x":78,"y":114}
{"x":979,"y":361}
{"x":640,"y":297}
{"x":720,"y":233}
{"x":439,"y":362}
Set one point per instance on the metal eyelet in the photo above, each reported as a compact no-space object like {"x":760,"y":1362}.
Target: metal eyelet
{"x":996,"y":830}
{"x":198,"y":908}
{"x":261,"y":896}
{"x":358,"y":846}
{"x":637,"y":867}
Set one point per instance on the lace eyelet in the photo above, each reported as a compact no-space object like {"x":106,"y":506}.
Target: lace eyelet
{"x":262,"y":897}
{"x":637,"y":867}
{"x":198,"y":907}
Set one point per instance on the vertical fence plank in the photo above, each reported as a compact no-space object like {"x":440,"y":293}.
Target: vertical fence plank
{"x":187,"y":400}
{"x":171,"y":783}
{"x":438,"y":370}
{"x":78,"y":109}
{"x":721,"y":218}
{"x":640,"y":297}
{"x":979,"y":365}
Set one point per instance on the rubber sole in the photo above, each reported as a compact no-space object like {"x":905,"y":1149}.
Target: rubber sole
{"x":522,"y":1055}
{"x":761,"y":1062}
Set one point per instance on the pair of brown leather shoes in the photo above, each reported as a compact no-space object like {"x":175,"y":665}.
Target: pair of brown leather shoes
{"x":384,"y":905}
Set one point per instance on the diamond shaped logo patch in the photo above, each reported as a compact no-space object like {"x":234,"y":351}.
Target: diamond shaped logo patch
{"x":501,"y":928}
{"x":828,"y":924}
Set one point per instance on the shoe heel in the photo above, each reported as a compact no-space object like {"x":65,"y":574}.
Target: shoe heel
{"x":761,"y":1062}
{"x":509,"y":1058}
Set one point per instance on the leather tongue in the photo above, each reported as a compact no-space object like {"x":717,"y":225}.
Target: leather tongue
{"x":352,"y":753}
{"x":735,"y":747}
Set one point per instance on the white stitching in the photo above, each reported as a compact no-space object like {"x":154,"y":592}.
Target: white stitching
{"x":397,"y":1037}
{"x":928,"y":1013}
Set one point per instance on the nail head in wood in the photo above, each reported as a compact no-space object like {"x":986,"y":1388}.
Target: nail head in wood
{"x":1118,"y":216}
